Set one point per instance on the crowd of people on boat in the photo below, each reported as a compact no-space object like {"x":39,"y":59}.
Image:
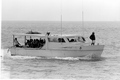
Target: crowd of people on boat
{"x":35,"y":43}
{"x":31,"y":43}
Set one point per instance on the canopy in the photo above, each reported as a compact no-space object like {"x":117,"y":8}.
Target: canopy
{"x":43,"y":35}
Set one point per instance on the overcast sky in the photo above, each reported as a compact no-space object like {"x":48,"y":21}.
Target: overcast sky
{"x":50,"y":10}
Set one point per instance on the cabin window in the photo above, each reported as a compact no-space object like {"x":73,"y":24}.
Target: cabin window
{"x":61,"y":40}
{"x":52,"y":39}
{"x":56,"y":40}
{"x":72,"y":39}
{"x":81,"y":39}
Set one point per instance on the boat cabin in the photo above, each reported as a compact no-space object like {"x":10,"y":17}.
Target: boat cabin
{"x":44,"y":41}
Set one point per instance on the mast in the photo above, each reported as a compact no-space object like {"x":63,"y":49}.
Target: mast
{"x":61,"y":25}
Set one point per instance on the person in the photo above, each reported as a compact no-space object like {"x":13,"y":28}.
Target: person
{"x":92,"y":37}
{"x":31,"y":43}
{"x":48,"y":33}
{"x":27,"y":44}
{"x":16,"y":43}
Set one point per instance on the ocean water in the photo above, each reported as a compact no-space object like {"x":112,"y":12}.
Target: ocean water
{"x":19,"y":67}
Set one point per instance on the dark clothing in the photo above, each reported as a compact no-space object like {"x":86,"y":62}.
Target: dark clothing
{"x":92,"y":37}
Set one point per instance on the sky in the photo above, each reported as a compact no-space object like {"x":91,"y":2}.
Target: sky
{"x":51,"y":10}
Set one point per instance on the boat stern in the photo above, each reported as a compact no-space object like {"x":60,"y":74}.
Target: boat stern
{"x":97,"y":51}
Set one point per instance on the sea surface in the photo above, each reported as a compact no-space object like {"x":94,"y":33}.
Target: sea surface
{"x":19,"y":67}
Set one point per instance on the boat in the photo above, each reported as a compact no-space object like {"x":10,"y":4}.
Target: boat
{"x":56,"y":45}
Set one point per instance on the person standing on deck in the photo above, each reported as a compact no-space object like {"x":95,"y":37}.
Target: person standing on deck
{"x":92,"y":37}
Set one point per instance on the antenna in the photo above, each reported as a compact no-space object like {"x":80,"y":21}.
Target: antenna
{"x":61,"y":17}
{"x":82,"y":18}
{"x":61,"y":22}
{"x":61,"y":25}
{"x":83,"y":22}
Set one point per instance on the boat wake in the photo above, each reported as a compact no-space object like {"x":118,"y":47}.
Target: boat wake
{"x":91,"y":59}
{"x":58,"y":58}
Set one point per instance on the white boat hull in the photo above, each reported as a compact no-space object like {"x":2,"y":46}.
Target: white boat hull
{"x":92,"y":51}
